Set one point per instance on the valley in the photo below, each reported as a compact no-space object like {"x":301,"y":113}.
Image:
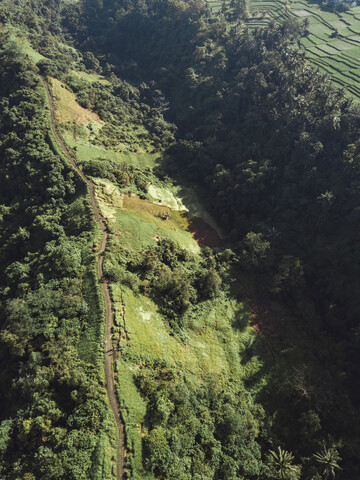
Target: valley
{"x":179,"y":241}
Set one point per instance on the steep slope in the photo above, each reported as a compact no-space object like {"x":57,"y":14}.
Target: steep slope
{"x":109,"y":375}
{"x":225,"y":344}
{"x":54,"y":418}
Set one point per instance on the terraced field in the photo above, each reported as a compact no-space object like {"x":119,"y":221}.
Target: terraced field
{"x":215,"y":5}
{"x":333,"y":42}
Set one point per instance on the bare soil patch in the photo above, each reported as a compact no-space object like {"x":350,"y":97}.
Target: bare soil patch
{"x":201,"y":231}
{"x":67,"y":108}
{"x":262,"y":319}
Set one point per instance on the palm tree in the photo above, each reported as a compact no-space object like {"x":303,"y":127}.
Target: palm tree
{"x":328,"y":459}
{"x":281,"y":464}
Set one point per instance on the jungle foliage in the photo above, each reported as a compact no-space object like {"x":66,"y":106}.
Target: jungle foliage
{"x":52,"y":406}
{"x":276,"y":147}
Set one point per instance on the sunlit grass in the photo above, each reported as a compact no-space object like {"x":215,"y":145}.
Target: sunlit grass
{"x":67,"y":108}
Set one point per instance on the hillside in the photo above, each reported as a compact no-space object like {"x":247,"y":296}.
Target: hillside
{"x":179,"y":242}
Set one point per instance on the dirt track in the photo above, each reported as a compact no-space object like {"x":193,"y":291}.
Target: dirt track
{"x":110,"y":382}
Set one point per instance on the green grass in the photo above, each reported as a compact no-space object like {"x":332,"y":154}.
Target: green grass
{"x":33,"y":54}
{"x":307,"y":43}
{"x":318,"y":28}
{"x":17,"y":36}
{"x":91,"y":77}
{"x":81,"y":129}
{"x":136,"y":222}
{"x":68,"y":109}
{"x":353,"y":53}
{"x":208,"y":351}
{"x":133,"y":410}
{"x":329,"y":49}
{"x":341,"y":45}
{"x":137,"y":225}
{"x":211,"y":344}
{"x":215,"y":5}
{"x":354,"y":28}
{"x":86,"y":152}
{"x":318,"y":51}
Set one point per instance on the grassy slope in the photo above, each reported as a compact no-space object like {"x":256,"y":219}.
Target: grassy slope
{"x":92,"y":77}
{"x":218,"y":335}
{"x":137,"y":224}
{"x":85,"y":152}
{"x":69,"y":110}
{"x":210,"y":351}
{"x":338,"y":56}
{"x":90,"y":346}
{"x":215,"y":5}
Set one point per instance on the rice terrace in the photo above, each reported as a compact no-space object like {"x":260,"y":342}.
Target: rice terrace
{"x":333,"y":40}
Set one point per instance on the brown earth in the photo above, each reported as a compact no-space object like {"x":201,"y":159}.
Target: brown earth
{"x":202,"y":233}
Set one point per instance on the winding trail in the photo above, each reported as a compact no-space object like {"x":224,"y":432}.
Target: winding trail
{"x":109,"y":375}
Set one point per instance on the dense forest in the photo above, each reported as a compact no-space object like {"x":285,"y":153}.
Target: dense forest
{"x":274,"y":148}
{"x":52,"y":405}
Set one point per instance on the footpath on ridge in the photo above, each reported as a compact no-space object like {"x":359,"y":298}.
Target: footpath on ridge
{"x":109,"y":375}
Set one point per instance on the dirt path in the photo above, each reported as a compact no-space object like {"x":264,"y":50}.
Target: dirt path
{"x":109,"y":375}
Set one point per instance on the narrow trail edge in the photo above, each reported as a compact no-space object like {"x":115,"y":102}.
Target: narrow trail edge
{"x":109,"y":376}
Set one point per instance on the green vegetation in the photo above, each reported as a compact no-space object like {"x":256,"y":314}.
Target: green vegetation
{"x":54,"y":416}
{"x":275,"y":159}
{"x":128,"y":115}
{"x":173,"y":328}
{"x":330,"y":41}
{"x":235,"y":357}
{"x":159,"y":362}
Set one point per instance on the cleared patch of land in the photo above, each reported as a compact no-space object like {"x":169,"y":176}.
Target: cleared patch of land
{"x":18,"y":37}
{"x":86,"y":151}
{"x":215,"y":5}
{"x":208,"y":354}
{"x":82,"y":128}
{"x":67,"y":108}
{"x":138,"y":223}
{"x":91,"y":77}
{"x":205,"y":354}
{"x":188,"y":222}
